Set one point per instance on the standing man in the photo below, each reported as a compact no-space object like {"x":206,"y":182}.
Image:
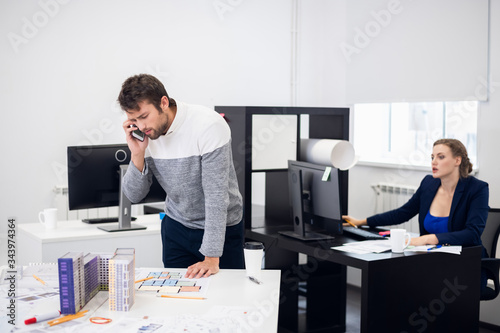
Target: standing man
{"x":188,"y":149}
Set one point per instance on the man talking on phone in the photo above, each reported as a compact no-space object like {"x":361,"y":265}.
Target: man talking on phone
{"x":188,"y":149}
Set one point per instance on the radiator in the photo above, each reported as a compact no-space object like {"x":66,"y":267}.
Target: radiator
{"x":64,"y":214}
{"x":392,"y":196}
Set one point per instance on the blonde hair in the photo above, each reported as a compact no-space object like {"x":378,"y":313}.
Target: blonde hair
{"x":458,"y":149}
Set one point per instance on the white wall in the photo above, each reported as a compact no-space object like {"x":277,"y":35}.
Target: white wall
{"x":63,"y":63}
{"x":321,"y":64}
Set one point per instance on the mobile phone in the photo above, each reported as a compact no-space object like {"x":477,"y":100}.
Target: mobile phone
{"x":137,"y":134}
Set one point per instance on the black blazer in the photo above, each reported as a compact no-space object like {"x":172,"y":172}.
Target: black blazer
{"x":468,"y":213}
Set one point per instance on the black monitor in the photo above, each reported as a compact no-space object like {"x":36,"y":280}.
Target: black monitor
{"x":94,"y":180}
{"x":315,"y":201}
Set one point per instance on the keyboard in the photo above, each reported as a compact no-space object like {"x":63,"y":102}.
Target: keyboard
{"x":365,"y":234}
{"x":104,"y":220}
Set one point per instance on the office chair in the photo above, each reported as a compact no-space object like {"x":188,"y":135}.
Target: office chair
{"x":491,"y":265}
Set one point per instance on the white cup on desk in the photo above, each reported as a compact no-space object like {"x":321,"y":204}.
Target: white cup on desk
{"x":400,"y":240}
{"x":253,"y":252}
{"x":48,"y":217}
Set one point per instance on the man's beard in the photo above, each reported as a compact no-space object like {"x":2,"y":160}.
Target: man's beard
{"x":155,"y":134}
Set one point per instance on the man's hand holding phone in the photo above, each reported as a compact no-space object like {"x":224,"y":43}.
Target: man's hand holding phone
{"x":138,"y":134}
{"x":136,"y":145}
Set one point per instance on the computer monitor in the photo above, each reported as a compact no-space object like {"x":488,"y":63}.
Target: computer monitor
{"x":94,"y":180}
{"x":315,"y":200}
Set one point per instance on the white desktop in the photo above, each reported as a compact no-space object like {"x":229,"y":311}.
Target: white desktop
{"x":232,"y":303}
{"x":37,"y":244}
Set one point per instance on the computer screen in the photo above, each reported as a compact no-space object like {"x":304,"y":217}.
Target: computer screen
{"x":94,"y":176}
{"x":314,"y":200}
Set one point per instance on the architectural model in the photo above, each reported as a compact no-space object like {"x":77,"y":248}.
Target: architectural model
{"x":121,"y":280}
{"x":80,"y":278}
{"x":91,"y":272}
{"x":71,"y":282}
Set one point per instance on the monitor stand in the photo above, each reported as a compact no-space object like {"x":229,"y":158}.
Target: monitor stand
{"x":124,"y":215}
{"x":297,"y":191}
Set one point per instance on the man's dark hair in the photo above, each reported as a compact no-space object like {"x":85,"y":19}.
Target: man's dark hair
{"x":142,"y":88}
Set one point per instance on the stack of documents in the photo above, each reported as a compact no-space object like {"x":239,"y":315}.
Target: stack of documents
{"x":369,"y":246}
{"x":379,"y":246}
{"x":435,"y":248}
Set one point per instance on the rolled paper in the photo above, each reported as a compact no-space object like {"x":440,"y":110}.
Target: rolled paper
{"x":338,"y":153}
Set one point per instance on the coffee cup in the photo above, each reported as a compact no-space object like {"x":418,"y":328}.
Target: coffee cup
{"x":400,"y":240}
{"x":48,"y":217}
{"x":253,"y":252}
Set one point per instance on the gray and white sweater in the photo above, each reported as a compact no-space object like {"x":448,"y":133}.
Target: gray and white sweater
{"x":193,"y":163}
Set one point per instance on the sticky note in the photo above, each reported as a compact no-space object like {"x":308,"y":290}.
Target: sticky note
{"x":186,"y":283}
{"x":189,"y":288}
{"x":170,"y":289}
{"x":326,"y":174}
{"x":148,"y":288}
{"x":169,"y":282}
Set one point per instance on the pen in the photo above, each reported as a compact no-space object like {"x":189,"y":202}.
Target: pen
{"x":182,"y":297}
{"x":141,"y":280}
{"x":67,"y":318}
{"x":41,"y":281}
{"x":254,"y":280}
{"x":436,"y":247}
{"x":355,"y":226}
{"x":42,"y":317}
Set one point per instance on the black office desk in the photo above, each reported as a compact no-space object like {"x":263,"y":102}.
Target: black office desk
{"x":410,"y":292}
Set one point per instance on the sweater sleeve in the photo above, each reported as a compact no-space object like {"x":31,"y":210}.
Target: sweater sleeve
{"x":215,"y":169}
{"x":136,"y":184}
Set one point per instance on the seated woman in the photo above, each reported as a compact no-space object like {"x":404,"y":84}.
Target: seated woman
{"x":452,"y":206}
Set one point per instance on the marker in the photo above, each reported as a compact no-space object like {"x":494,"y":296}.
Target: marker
{"x":436,"y":247}
{"x":254,"y":280}
{"x":42,"y":317}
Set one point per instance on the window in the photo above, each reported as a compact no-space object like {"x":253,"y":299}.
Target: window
{"x":403,"y":133}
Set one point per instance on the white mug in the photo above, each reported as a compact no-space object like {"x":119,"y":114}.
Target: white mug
{"x":253,"y":252}
{"x":48,"y":217}
{"x":400,"y":240}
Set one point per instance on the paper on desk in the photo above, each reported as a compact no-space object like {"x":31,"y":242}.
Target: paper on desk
{"x":46,"y":272}
{"x":171,"y":281}
{"x":223,"y":319}
{"x":456,"y":249}
{"x":363,"y":247}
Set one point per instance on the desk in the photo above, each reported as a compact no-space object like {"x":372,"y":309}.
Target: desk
{"x":228,"y":288}
{"x":410,"y":292}
{"x":37,"y":244}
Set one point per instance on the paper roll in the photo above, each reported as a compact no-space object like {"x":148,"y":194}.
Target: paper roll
{"x":338,"y":153}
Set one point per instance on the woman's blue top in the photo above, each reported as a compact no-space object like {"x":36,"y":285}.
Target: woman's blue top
{"x":434,"y":224}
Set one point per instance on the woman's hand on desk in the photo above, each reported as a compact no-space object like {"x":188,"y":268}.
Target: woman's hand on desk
{"x":203,"y":268}
{"x":424,"y":240}
{"x":354,"y":221}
